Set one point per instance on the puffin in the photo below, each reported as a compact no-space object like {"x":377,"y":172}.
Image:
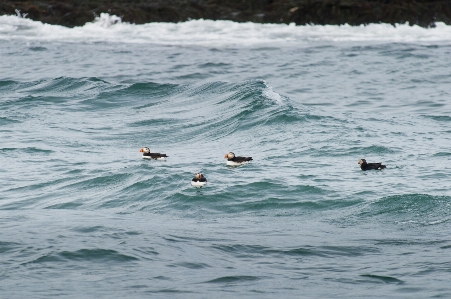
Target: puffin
{"x":199,"y":180}
{"x":148,"y":155}
{"x":368,"y":166}
{"x":233,"y":160}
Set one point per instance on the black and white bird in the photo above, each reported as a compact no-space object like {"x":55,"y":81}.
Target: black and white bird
{"x":367,"y":166}
{"x":199,"y":180}
{"x":233,"y":160}
{"x":155,"y":156}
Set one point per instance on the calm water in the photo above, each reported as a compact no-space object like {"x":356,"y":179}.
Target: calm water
{"x":82,"y":215}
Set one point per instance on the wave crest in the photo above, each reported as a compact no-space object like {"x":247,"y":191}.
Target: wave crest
{"x":110,"y":28}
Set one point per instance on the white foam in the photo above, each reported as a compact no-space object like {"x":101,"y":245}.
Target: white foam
{"x":108,"y":28}
{"x":269,"y":93}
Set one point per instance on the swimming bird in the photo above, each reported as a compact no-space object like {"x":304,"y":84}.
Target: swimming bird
{"x":199,"y":180}
{"x":233,"y":160}
{"x":368,"y":166}
{"x":148,"y":155}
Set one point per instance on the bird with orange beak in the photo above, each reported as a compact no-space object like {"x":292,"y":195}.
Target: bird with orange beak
{"x":199,"y":180}
{"x":367,"y":166}
{"x":154,"y":156}
{"x":233,"y":160}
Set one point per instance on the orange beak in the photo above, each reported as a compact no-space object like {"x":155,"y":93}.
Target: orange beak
{"x":225,"y":156}
{"x":141,"y":150}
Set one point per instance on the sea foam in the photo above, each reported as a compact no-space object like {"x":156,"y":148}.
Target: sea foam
{"x":110,"y":28}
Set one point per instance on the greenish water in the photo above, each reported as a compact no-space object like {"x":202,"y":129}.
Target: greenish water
{"x":83,"y":215}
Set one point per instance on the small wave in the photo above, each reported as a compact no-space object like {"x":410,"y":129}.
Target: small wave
{"x":64,"y":85}
{"x":192,"y":265}
{"x":97,"y":255}
{"x":172,"y":291}
{"x":233,"y":279}
{"x":320,"y":251}
{"x":384,"y":279}
{"x":85,"y":255}
{"x":49,"y":92}
{"x":7,"y":121}
{"x":28,"y":150}
{"x":105,"y":180}
{"x":7,"y":85}
{"x":38,"y":49}
{"x":65,"y":206}
{"x":7,"y":246}
{"x":410,"y":242}
{"x":421,"y":209}
{"x":215,"y":65}
{"x":441,"y":118}
{"x":142,"y":91}
{"x":442,"y":154}
{"x":374,"y":149}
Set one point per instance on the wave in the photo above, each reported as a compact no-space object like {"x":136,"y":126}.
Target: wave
{"x":227,"y":280}
{"x":90,"y":132}
{"x":420,"y":209}
{"x":439,"y":118}
{"x":382,"y":279}
{"x":307,"y":251}
{"x":185,"y":117}
{"x":109,"y":28}
{"x":82,"y":255}
{"x":55,"y":91}
{"x":193,"y":109}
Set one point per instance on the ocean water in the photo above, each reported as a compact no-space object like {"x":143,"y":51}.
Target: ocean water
{"x":82,"y":215}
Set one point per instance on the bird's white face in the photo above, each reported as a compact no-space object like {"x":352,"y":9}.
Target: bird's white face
{"x":198,"y":176}
{"x":361,"y":161}
{"x":145,"y":150}
{"x":229,"y":155}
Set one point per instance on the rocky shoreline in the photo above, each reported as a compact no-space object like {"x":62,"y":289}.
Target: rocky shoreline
{"x":72,"y":13}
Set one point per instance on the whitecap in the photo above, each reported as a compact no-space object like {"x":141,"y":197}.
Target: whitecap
{"x":110,"y":28}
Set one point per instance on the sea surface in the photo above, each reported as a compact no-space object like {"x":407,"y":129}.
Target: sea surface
{"x":82,"y":215}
